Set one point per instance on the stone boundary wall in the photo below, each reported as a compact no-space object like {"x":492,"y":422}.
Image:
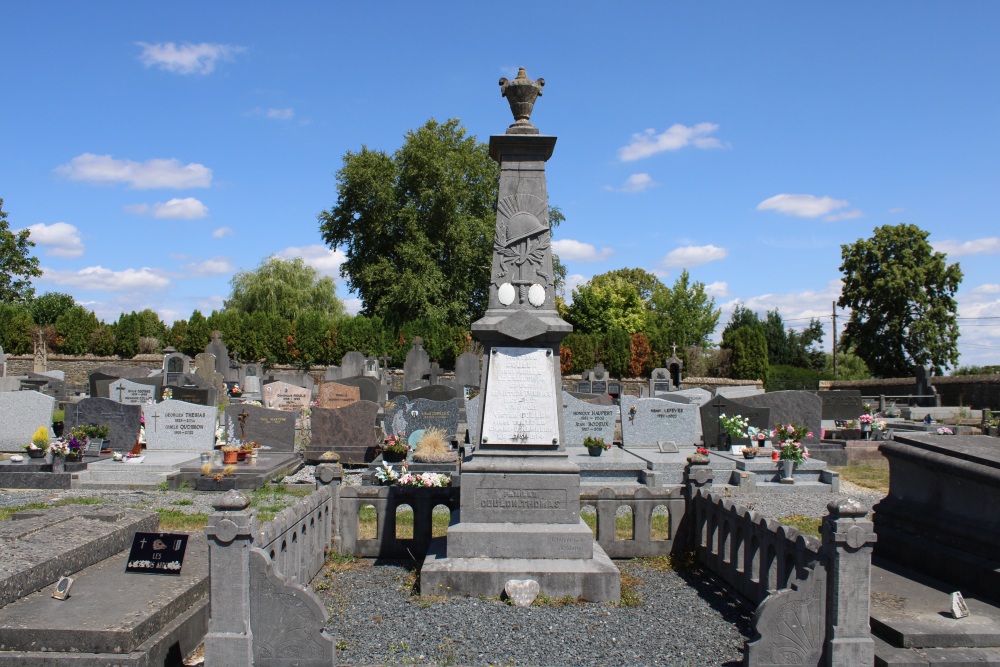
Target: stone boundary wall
{"x":297,"y":539}
{"x":971,"y":391}
{"x":77,"y":369}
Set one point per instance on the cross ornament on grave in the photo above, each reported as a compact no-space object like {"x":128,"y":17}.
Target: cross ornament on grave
{"x":121,"y":390}
{"x":242,"y":419}
{"x":673,"y":348}
{"x":155,"y":417}
{"x":434,"y":373}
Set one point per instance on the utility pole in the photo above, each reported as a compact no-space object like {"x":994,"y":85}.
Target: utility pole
{"x":834,"y":340}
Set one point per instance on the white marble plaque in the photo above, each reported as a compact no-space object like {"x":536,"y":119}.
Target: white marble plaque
{"x":131,"y":393}
{"x":521,"y":406}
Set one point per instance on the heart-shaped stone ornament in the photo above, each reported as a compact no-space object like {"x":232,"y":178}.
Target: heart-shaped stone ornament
{"x":521,"y":591}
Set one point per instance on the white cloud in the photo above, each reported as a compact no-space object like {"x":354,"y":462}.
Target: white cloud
{"x":352,"y":306}
{"x":634,"y":184}
{"x":573,"y":281}
{"x":809,"y":206}
{"x":986,"y":246}
{"x":187,"y":208}
{"x":106,"y":280}
{"x":279,"y":114}
{"x":222,"y":232}
{"x":321,"y":258}
{"x":155,"y":173}
{"x":717,"y":289}
{"x":208,"y":304}
{"x":217,"y":266}
{"x":988,"y":288}
{"x":186,"y":58}
{"x":60,"y":239}
{"x":570,"y":250}
{"x":979,"y":343}
{"x":693,"y":255}
{"x":676,"y":137}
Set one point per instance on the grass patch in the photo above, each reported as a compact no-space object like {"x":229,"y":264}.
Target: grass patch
{"x":344,"y":563}
{"x":804,"y":524}
{"x":269,"y":500}
{"x":7,"y":512}
{"x":869,"y":477}
{"x":672,"y":562}
{"x":183,"y":502}
{"x":630,"y":596}
{"x":368,"y":523}
{"x":660,"y":526}
{"x":178,"y":520}
{"x":565,"y":601}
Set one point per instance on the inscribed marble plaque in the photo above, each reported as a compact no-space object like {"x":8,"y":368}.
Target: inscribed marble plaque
{"x":131,"y":393}
{"x":176,"y":425}
{"x":522,"y":404}
{"x":284,"y":396}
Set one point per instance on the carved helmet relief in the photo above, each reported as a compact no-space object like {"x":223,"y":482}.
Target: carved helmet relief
{"x":521,"y":244}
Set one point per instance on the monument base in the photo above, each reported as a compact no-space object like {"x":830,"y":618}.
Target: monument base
{"x":521,"y":540}
{"x":592,"y":579}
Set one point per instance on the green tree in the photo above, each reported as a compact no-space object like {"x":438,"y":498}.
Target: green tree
{"x":47,"y":308}
{"x":417,"y":226}
{"x":288,"y":287}
{"x":682,"y":315}
{"x":314,"y":339}
{"x":609,"y":300}
{"x":102,"y":342}
{"x":902,"y":299}
{"x":127,"y":335}
{"x":17,"y":266}
{"x":849,"y":366}
{"x":617,"y":351}
{"x":16,"y":329}
{"x":749,"y":346}
{"x":76,"y":326}
{"x":197,"y":335}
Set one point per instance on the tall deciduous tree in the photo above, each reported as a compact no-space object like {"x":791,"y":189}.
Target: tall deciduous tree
{"x":286,"y":287}
{"x":902,"y":299}
{"x":17,"y":266}
{"x":682,"y":315}
{"x":417,"y":226}
{"x":607,"y":301}
{"x":47,"y":308}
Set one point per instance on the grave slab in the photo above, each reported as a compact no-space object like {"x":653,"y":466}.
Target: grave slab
{"x":21,"y":413}
{"x":273,"y":429}
{"x":176,"y":425}
{"x":647,"y":421}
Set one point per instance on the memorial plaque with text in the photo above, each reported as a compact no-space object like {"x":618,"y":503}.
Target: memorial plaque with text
{"x":131,"y":393}
{"x":522,"y":404}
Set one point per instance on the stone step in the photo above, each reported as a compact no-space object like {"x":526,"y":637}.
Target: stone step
{"x":887,"y":655}
{"x":136,"y":478}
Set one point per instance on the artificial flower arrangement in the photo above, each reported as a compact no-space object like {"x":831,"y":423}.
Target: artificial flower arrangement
{"x":788,"y":438}
{"x":387,"y":476}
{"x":736,"y":426}
{"x":866,"y":419}
{"x":591,"y":441}
{"x":757,"y":436}
{"x":59,"y":448}
{"x":700,"y":456}
{"x":944,"y":430}
{"x":39,"y":440}
{"x":396,"y":444}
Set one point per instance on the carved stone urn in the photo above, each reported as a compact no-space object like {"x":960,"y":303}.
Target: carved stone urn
{"x":521,"y":94}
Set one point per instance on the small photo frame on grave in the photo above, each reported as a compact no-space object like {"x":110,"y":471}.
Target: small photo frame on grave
{"x":61,"y":591}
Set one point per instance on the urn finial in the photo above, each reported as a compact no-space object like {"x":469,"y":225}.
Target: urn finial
{"x":521,"y":94}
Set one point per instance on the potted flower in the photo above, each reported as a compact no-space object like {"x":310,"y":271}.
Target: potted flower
{"x":596,"y":446}
{"x":750,"y":452}
{"x":944,"y":430}
{"x":59,"y":450}
{"x":39,"y":443}
{"x":789,"y":446}
{"x":866,"y":420}
{"x":58,"y":418}
{"x":94,"y":434}
{"x":395,"y":448}
{"x":76,"y":443}
{"x":733,"y":428}
{"x":993,"y":427}
{"x":699,"y":458}
{"x":230,"y":454}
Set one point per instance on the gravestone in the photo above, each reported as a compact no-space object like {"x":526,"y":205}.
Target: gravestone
{"x":417,"y":365}
{"x":370,"y":389}
{"x":804,"y":408}
{"x":21,"y":413}
{"x":406,"y":416}
{"x":273,"y":429}
{"x":58,"y":375}
{"x":222,"y":366}
{"x":842,"y":404}
{"x":659,"y":382}
{"x":738,"y":391}
{"x":3,"y":364}
{"x":582,"y":419}
{"x":647,"y":421}
{"x":122,"y":420}
{"x":759,"y":417}
{"x":336,"y":395}
{"x":332,"y":374}
{"x":596,"y":399}
{"x":94,"y":378}
{"x":297,"y":378}
{"x":129,"y":372}
{"x":175,"y":366}
{"x":250,"y":382}
{"x":349,"y":431}
{"x":598,"y":379}
{"x":197,"y":395}
{"x":206,"y":373}
{"x":674,"y":367}
{"x":434,"y":392}
{"x":51,"y":385}
{"x":352,"y":365}
{"x":473,"y":418}
{"x":283,"y":396}
{"x":131,"y":393}
{"x":176,"y":425}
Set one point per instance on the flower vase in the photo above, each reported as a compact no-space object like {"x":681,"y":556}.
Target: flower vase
{"x":787,"y":469}
{"x":749,"y":455}
{"x":724,"y":442}
{"x":866,"y":431}
{"x":58,"y":464}
{"x":229,"y":458}
{"x":36,"y":453}
{"x":595,"y":451}
{"x":393,"y":457}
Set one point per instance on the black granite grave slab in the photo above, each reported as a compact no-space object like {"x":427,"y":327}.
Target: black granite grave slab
{"x":369,"y":388}
{"x":435,"y":392}
{"x":248,"y":476}
{"x":95,"y":388}
{"x":196,"y":395}
{"x":759,"y":417}
{"x":121,"y":420}
{"x":273,"y":429}
{"x":841,"y":404}
{"x":348,"y":431}
{"x":403,"y":415}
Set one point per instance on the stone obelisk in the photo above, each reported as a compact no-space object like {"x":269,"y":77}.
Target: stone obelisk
{"x":520,"y":507}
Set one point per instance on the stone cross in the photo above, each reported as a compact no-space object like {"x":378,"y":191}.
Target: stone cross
{"x":435,"y":372}
{"x":673,"y":349}
{"x":121,"y":390}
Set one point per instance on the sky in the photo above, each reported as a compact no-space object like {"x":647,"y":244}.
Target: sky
{"x":154,"y":149}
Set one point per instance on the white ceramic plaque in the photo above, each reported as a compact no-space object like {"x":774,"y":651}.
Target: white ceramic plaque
{"x":521,"y":405}
{"x":506,"y":294}
{"x":536,"y":295}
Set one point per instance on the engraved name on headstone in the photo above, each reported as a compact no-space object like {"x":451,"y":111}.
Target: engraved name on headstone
{"x":647,"y":421}
{"x":582,"y":419}
{"x":131,"y":393}
{"x":283,"y":396}
{"x":177,"y":425}
{"x":521,"y":406}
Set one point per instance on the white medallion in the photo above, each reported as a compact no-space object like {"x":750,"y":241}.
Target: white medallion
{"x":506,"y":294}
{"x":536,"y":295}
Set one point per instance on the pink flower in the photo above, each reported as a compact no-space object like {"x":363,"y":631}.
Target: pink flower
{"x":809,"y":434}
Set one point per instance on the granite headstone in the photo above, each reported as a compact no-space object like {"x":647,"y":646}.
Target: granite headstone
{"x":131,"y":393}
{"x":273,"y":429}
{"x":336,"y":395}
{"x":759,"y":417}
{"x":647,"y":421}
{"x":352,"y":365}
{"x":122,"y":420}
{"x":803,"y":408}
{"x":21,"y":413}
{"x":284,"y":396}
{"x":582,"y":419}
{"x":841,"y":404}
{"x":173,"y":425}
{"x":467,"y":370}
{"x":417,"y":365}
{"x":349,"y":431}
{"x":197,"y":395}
{"x":406,"y":416}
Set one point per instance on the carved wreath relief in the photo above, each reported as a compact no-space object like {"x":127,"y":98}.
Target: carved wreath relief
{"x":521,"y":244}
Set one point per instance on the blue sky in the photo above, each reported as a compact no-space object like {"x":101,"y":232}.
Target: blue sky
{"x":155,"y":148}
